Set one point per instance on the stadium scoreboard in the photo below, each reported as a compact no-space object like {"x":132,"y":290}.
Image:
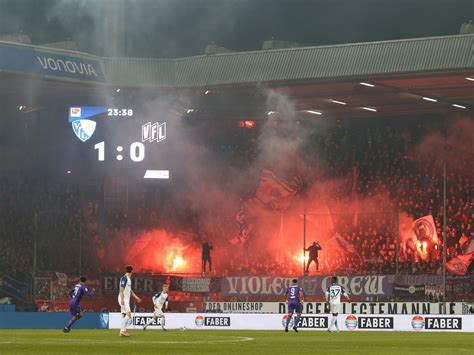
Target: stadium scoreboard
{"x":112,"y":135}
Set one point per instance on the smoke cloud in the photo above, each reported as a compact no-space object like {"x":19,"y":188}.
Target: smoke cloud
{"x":205,"y":192}
{"x":453,"y":143}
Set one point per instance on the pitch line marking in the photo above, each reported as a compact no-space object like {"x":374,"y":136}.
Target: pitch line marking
{"x":235,"y":339}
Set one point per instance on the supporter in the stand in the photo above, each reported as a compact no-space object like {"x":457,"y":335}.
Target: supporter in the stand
{"x":383,"y":153}
{"x":206,"y":256}
{"x":313,"y":250}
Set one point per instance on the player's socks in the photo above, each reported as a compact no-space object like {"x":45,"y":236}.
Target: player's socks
{"x":70,"y":323}
{"x":149,"y":321}
{"x":333,"y":322}
{"x":123,"y":325}
{"x":288,"y":320}
{"x":337,"y":327}
{"x":297,"y":320}
{"x":125,"y":320}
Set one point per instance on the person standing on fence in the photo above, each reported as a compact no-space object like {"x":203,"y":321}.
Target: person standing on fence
{"x":313,"y":255}
{"x":206,"y":256}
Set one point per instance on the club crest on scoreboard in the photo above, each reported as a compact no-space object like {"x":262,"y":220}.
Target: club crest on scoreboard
{"x":84,"y":129}
{"x":153,"y":132}
{"x":82,"y":126}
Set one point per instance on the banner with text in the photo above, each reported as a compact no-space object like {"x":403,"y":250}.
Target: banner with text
{"x":349,"y":322}
{"x":14,"y":288}
{"x":196,"y":285}
{"x":143,"y":284}
{"x":409,"y":291}
{"x":363,"y":286}
{"x":30,"y":60}
{"x":354,"y":307}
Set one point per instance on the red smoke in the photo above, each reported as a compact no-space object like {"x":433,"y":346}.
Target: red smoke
{"x":210,"y":187}
{"x":161,"y":251}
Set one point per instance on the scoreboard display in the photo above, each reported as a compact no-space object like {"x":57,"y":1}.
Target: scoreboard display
{"x":120,"y":136}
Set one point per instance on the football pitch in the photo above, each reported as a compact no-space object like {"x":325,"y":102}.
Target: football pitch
{"x":232,"y":342}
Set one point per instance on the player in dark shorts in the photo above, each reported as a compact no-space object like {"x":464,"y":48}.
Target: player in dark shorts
{"x":294,"y":298}
{"x":75,"y":308}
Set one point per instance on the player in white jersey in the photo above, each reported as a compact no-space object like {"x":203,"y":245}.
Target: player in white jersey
{"x":124,"y":300}
{"x":160,"y":299}
{"x":333,"y":296}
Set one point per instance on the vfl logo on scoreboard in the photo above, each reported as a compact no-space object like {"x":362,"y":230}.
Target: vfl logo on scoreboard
{"x":155,"y":132}
{"x":82,"y":127}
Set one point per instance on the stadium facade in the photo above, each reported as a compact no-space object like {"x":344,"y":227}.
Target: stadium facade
{"x":402,"y":78}
{"x":401,"y":73}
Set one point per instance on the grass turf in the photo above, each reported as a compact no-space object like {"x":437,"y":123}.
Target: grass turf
{"x":230,"y":342}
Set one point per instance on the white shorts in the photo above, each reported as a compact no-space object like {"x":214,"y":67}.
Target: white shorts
{"x":158,"y":313}
{"x":125,"y":308}
{"x":334,"y":308}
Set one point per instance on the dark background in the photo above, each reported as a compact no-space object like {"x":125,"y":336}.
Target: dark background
{"x":179,"y":28}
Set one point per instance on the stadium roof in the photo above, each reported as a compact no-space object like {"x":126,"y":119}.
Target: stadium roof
{"x":448,"y":53}
{"x":310,"y":63}
{"x":401,"y":73}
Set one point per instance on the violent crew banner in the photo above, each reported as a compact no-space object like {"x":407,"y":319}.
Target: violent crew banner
{"x":363,"y":286}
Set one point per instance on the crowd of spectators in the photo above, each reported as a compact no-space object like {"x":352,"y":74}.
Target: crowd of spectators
{"x":377,"y":158}
{"x":389,"y":161}
{"x":39,"y":221}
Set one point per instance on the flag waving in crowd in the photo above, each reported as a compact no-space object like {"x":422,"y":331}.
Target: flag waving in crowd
{"x":424,"y":238}
{"x":338,"y":242}
{"x":244,"y":227}
{"x":275,"y":192}
{"x":460,"y":264}
{"x":425,"y":229}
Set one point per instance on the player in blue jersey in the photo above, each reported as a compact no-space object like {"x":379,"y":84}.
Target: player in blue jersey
{"x":294,"y":298}
{"x":75,"y":308}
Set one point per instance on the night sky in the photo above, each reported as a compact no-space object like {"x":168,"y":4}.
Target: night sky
{"x":179,"y":28}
